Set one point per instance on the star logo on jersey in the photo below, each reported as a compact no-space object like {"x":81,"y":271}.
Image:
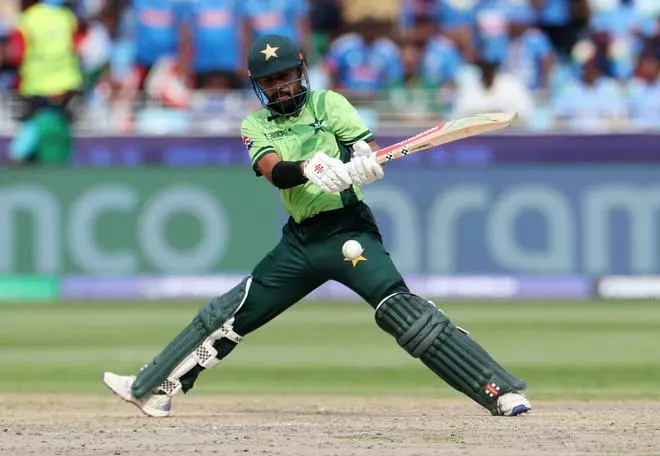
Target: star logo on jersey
{"x":356,"y":260}
{"x":270,"y":51}
{"x":318,"y":125}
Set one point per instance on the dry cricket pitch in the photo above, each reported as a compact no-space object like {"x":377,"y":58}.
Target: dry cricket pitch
{"x":322,"y":425}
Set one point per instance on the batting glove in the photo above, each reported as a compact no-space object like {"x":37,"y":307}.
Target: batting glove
{"x":363,"y":167}
{"x":328,"y":173}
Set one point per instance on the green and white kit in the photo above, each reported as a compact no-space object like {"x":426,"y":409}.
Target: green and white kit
{"x":310,"y":254}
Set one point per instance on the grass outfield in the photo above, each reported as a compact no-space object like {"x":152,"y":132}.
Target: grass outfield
{"x":581,"y":350}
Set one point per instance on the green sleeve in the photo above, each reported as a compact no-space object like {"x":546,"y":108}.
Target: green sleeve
{"x":344,"y":120}
{"x":255,"y":140}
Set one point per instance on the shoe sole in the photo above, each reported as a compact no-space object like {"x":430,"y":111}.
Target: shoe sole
{"x":153,"y":413}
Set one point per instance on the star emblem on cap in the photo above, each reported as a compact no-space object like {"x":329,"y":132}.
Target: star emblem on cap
{"x":270,"y":51}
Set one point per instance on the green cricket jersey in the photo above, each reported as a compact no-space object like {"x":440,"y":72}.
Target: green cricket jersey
{"x":326,"y":123}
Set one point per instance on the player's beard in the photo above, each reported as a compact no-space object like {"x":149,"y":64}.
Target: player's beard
{"x":289,"y":105}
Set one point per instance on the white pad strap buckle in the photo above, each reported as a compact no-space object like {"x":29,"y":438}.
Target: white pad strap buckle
{"x":205,"y":355}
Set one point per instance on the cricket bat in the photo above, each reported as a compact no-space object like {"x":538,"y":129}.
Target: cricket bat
{"x":445,"y":133}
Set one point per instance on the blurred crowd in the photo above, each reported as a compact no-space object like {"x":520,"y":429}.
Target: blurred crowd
{"x":179,"y":65}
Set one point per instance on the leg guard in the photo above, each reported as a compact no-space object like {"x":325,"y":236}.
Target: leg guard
{"x":425,"y":332}
{"x":194,"y":345}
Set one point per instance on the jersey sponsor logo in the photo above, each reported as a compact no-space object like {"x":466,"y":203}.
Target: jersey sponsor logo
{"x":274,"y":135}
{"x":247,"y":141}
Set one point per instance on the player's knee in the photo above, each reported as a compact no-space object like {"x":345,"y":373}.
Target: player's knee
{"x":414,"y":322}
{"x":384,"y":290}
{"x":217,"y":320}
{"x":220,"y":311}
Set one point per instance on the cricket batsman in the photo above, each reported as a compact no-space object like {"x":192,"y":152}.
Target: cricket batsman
{"x":314,"y":147}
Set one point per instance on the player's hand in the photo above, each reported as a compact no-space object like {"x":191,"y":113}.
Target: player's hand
{"x":362,"y":149}
{"x":329,"y":174}
{"x":363,"y":167}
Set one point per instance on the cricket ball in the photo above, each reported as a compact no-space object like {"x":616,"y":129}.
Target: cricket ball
{"x":352,"y":249}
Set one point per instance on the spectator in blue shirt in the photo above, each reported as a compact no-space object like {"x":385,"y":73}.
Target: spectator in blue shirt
{"x":215,"y":27}
{"x":326,"y":19}
{"x":441,"y":62}
{"x":419,"y":24}
{"x":439,"y":57}
{"x":625,"y":28}
{"x":454,"y":17}
{"x":623,"y":19}
{"x":491,"y":29}
{"x":156,"y":36}
{"x":553,"y":12}
{"x":563,"y":21}
{"x":593,"y":102}
{"x":278,"y":17}
{"x":455,"y":14}
{"x":644,"y":93}
{"x":528,"y":52}
{"x":365,"y":61}
{"x":413,"y":10}
{"x":157,"y":30}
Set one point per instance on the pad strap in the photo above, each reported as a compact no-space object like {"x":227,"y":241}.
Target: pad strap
{"x":205,"y":355}
{"x":194,"y":345}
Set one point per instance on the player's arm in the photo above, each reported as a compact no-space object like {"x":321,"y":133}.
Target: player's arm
{"x":328,"y":173}
{"x":265,"y":160}
{"x":366,"y":149}
{"x":282,"y":174}
{"x":324,"y":171}
{"x":374,"y":147}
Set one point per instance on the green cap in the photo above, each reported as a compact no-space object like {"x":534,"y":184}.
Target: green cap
{"x":272,"y":54}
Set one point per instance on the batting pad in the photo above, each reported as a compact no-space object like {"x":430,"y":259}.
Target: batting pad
{"x":194,"y":345}
{"x":424,"y":331}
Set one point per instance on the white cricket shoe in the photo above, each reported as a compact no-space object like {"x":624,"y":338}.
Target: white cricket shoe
{"x":156,"y":405}
{"x":513,"y":404}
